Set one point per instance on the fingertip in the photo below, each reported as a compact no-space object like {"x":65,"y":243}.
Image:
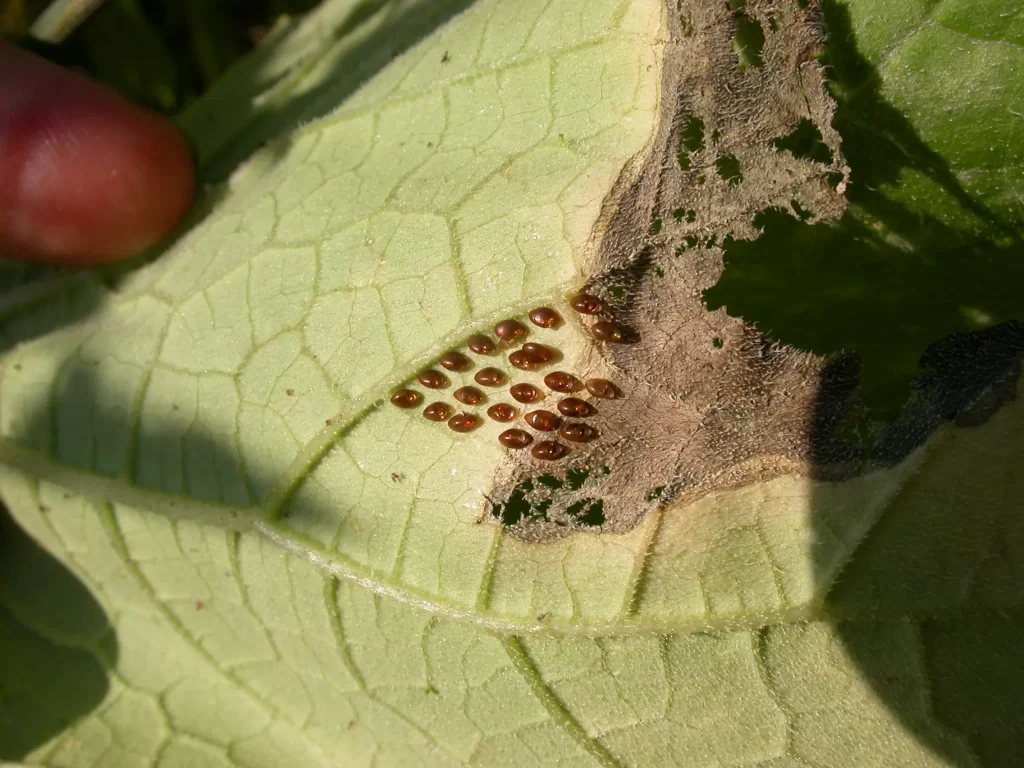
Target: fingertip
{"x":85,"y":177}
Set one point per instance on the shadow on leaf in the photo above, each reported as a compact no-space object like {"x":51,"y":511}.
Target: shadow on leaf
{"x":929,"y":600}
{"x":55,"y":641}
{"x":885,"y":280}
{"x":373,"y":34}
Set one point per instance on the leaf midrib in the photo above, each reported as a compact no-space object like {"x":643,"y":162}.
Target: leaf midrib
{"x":337,"y":565}
{"x":340,"y":567}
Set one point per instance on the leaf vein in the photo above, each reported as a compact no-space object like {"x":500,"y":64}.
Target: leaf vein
{"x":109,"y":522}
{"x":556,"y":709}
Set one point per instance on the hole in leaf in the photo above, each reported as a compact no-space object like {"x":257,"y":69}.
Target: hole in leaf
{"x":728,"y":167}
{"x":853,"y":284}
{"x":717,"y":343}
{"x":805,"y":142}
{"x":540,"y":509}
{"x":684,"y":161}
{"x":594,"y":515}
{"x":550,"y":481}
{"x":802,"y":213}
{"x":748,"y":41}
{"x":656,"y":226}
{"x":655,"y":493}
{"x":574,"y":509}
{"x":575,"y":478}
{"x":678,"y":214}
{"x":617,"y":292}
{"x":693,"y":134}
{"x":517,"y":507}
{"x":587,"y":512}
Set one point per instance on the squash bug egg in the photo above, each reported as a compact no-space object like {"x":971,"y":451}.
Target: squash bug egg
{"x":437,"y":412}
{"x":545,"y":317}
{"x":549,"y":450}
{"x":433,"y":379}
{"x":515,"y":438}
{"x":406,"y":398}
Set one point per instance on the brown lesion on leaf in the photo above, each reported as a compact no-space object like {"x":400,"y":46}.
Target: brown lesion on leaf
{"x":708,"y":403}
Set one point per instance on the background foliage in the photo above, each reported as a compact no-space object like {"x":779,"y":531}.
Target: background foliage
{"x":160,"y":53}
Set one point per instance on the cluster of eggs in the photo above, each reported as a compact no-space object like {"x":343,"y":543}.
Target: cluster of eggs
{"x":530,"y":356}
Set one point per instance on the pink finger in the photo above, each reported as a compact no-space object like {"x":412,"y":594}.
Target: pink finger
{"x":85,"y":177}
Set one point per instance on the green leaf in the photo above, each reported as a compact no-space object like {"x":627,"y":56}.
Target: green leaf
{"x":930,"y":115}
{"x":304,"y":69}
{"x":284,"y":569}
{"x":128,"y":53}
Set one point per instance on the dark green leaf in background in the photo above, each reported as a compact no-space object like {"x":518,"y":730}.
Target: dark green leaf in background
{"x":931,"y":111}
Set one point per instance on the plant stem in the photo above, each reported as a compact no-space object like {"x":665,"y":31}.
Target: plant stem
{"x":61,"y":18}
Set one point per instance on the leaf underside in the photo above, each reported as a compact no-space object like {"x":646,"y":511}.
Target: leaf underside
{"x":263,"y":562}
